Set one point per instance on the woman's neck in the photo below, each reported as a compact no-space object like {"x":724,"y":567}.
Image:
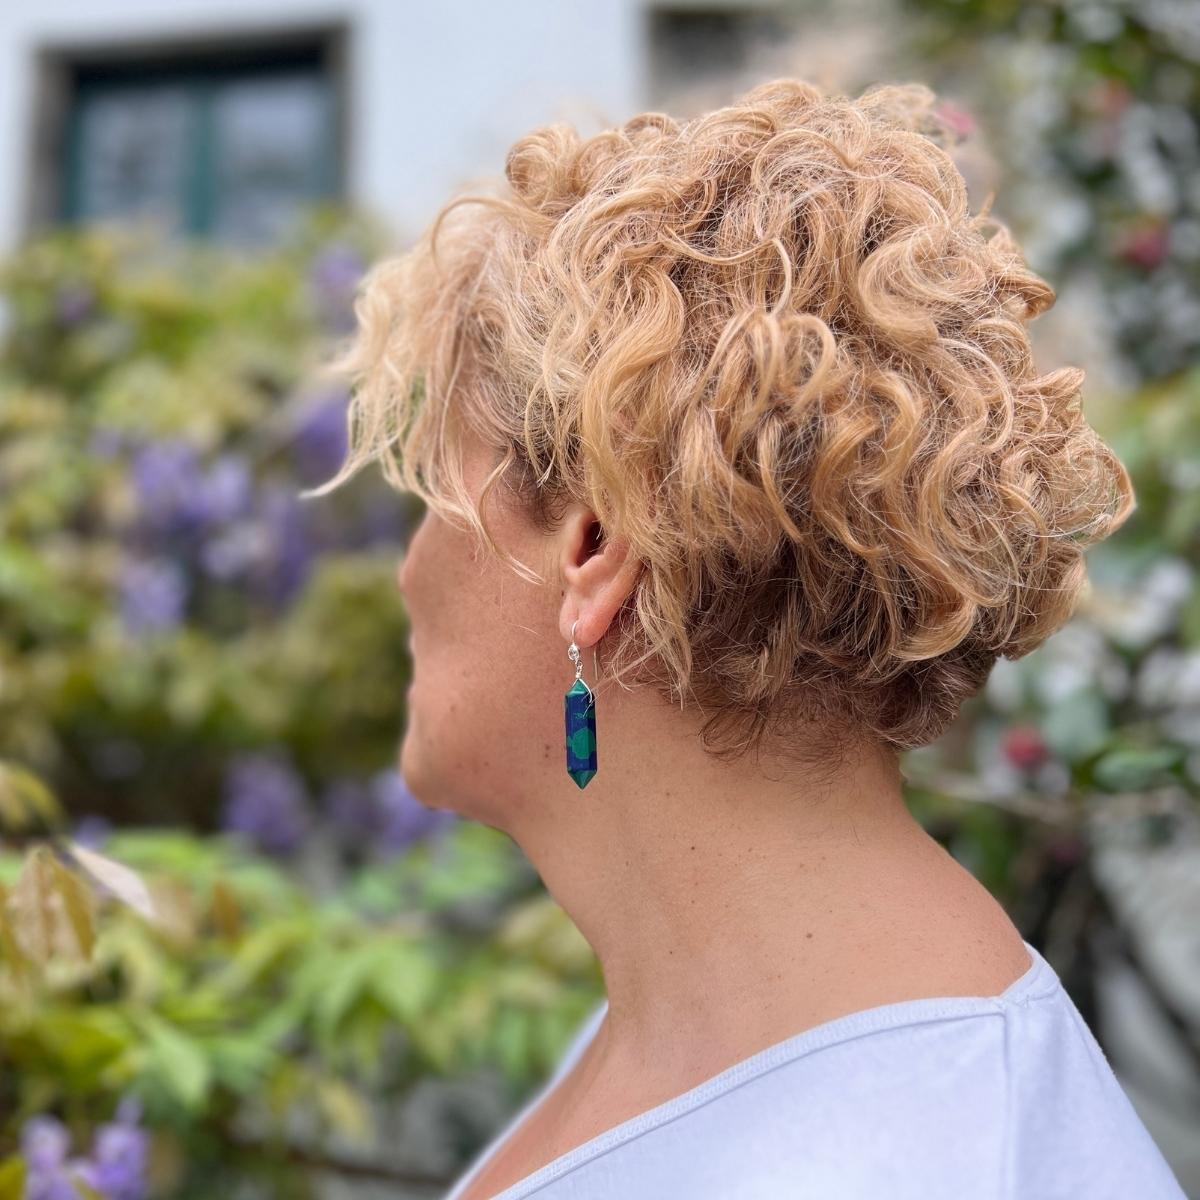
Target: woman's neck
{"x":727,"y":904}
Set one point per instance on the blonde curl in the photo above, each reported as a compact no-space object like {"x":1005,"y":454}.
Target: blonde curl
{"x":773,"y":351}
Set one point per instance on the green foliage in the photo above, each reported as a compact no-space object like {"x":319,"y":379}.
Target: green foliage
{"x":246,"y":1000}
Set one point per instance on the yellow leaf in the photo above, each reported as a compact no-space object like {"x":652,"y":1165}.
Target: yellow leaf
{"x":37,"y":911}
{"x":80,"y":906}
{"x":84,"y":1190}
{"x":226,"y":913}
{"x":345,"y":1109}
{"x":12,"y":1178}
{"x":175,"y":911}
{"x":18,"y":964}
{"x":25,"y":801}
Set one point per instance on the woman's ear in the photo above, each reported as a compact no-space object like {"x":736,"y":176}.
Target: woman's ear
{"x":598,"y":575}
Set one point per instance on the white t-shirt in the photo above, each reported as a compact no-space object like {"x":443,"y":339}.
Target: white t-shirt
{"x":1004,"y":1097}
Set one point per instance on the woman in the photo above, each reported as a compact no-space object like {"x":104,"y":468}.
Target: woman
{"x":740,"y":414}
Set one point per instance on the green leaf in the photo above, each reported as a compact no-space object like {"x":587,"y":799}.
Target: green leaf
{"x":351,"y":975}
{"x":405,"y":981}
{"x":511,"y":1041}
{"x":1076,"y":727}
{"x":178,"y":1061}
{"x":10,"y":950}
{"x":554,"y":1029}
{"x":1130,"y":768}
{"x":259,"y":952}
{"x":81,"y":1042}
{"x":527,"y":985}
{"x":240,"y":1062}
{"x":83,"y":1188}
{"x":436,"y":1037}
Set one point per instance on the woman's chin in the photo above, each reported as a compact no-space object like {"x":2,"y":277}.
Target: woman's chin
{"x":417,"y":777}
{"x":434,"y":789}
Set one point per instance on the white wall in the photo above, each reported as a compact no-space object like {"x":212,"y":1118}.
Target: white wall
{"x":437,"y":90}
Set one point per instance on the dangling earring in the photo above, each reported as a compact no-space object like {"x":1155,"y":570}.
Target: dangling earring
{"x":580,"y":706}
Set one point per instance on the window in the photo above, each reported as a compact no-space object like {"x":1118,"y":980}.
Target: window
{"x":691,"y":46}
{"x":223,"y":142}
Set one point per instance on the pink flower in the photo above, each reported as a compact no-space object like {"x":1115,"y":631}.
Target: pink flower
{"x":1024,"y":747}
{"x":1145,"y":245}
{"x":956,"y":117}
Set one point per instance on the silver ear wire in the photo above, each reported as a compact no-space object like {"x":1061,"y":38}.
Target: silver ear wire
{"x":573,"y":654}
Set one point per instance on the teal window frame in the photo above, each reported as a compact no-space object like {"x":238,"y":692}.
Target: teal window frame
{"x":203,"y":80}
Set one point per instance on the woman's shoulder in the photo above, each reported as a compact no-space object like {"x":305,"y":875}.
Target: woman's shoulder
{"x":1072,"y":1127}
{"x":977,"y":1098}
{"x":1001,"y":1098}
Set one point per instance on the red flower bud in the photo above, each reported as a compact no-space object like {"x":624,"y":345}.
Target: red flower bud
{"x":1024,"y":747}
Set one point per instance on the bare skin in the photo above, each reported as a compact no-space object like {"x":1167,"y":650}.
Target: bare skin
{"x":730,"y":905}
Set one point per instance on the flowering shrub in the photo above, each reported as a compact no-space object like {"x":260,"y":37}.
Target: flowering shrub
{"x":167,"y":598}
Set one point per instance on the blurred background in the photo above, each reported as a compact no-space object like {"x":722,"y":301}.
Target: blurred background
{"x":311,"y":985}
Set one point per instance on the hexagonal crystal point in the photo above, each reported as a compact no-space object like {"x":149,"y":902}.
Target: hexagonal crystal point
{"x":580,"y":709}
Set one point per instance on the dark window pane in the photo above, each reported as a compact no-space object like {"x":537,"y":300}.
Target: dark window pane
{"x":695,"y":47}
{"x":272,"y":148}
{"x":133,"y":151}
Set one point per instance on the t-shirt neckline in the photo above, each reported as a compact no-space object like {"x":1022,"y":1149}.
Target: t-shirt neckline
{"x":1037,"y":980}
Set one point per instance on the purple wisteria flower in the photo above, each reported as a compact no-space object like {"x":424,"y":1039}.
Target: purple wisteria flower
{"x":92,"y":830}
{"x":381,"y":813}
{"x":350,"y":809}
{"x":383,"y":520}
{"x":233,"y":540}
{"x":401,"y":818}
{"x":44,"y":1143}
{"x":177,"y":497}
{"x":116,"y":1167}
{"x":168,"y":482}
{"x":226,"y":491}
{"x":268,"y":545}
{"x":321,"y":437}
{"x":288,"y":551}
{"x":266,"y":799}
{"x":151,"y":594}
{"x":333,"y":278}
{"x":235,"y":551}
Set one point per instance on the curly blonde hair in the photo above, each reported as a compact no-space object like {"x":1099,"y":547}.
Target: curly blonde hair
{"x":773,"y":352}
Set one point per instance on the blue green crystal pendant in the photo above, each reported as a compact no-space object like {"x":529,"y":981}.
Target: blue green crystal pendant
{"x":579,"y":705}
